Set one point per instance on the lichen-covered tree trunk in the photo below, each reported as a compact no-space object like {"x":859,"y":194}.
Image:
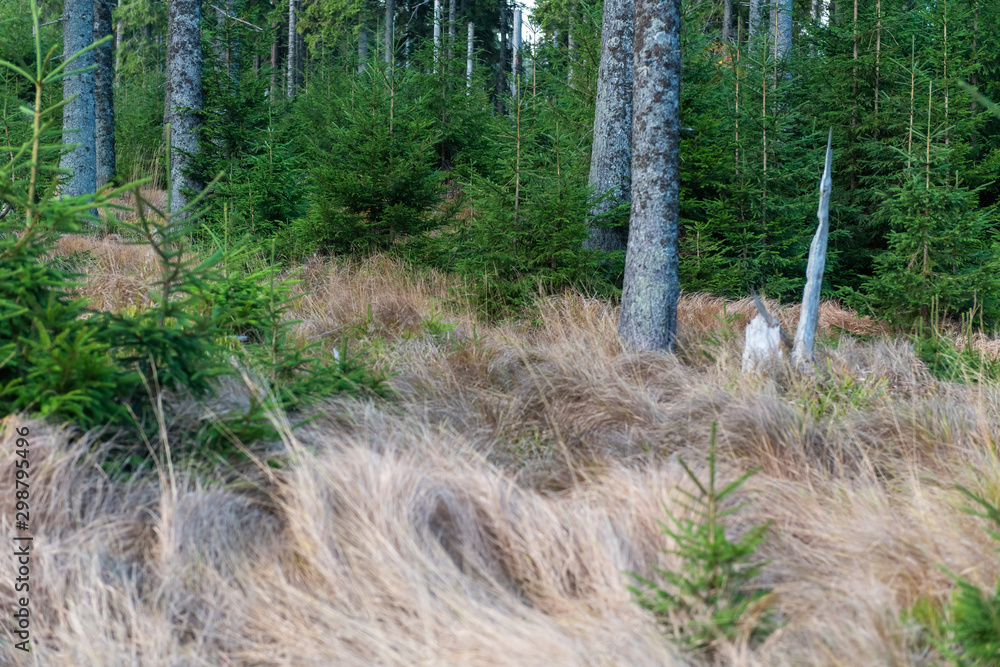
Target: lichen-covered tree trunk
{"x":515,"y":68}
{"x":390,"y":14}
{"x":78,"y":113}
{"x":781,"y":21}
{"x":727,"y":20}
{"x":104,"y":95}
{"x":452,"y":15}
{"x":648,"y":318}
{"x":611,"y":151}
{"x":293,"y":42}
{"x":183,"y":94}
{"x":753,"y":24}
{"x":470,"y":54}
{"x":363,"y":46}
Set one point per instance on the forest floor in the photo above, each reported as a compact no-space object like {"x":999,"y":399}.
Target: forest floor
{"x":490,"y":513}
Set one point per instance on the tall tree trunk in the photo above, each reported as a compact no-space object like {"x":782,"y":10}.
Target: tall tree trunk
{"x":119,"y":36}
{"x":515,"y":69}
{"x":78,"y":113}
{"x":183,"y":94}
{"x":390,"y":14}
{"x":437,"y":33}
{"x":470,"y":53}
{"x":452,"y":9}
{"x":571,"y":53}
{"x":104,"y":95}
{"x":611,"y":151}
{"x":753,"y":25}
{"x":781,"y":15}
{"x":276,"y":32}
{"x":501,"y":86}
{"x":648,"y":318}
{"x":727,"y":21}
{"x":363,"y":46}
{"x":293,"y":43}
{"x":300,"y":55}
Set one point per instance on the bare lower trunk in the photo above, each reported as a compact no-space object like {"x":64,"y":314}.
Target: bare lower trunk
{"x":104,"y":95}
{"x":390,"y":14}
{"x":753,"y":25}
{"x":183,"y":95}
{"x":515,"y":68}
{"x":648,"y":318}
{"x":452,"y":9}
{"x":611,"y":151}
{"x":470,"y":54}
{"x":292,"y":48}
{"x":119,"y":35}
{"x":275,"y":59}
{"x":437,"y":33}
{"x":362,"y":47}
{"x":571,"y":49}
{"x":78,"y":113}
{"x":781,"y":16}
{"x":727,"y":21}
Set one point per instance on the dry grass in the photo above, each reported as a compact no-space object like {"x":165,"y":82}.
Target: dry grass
{"x":488,"y":515}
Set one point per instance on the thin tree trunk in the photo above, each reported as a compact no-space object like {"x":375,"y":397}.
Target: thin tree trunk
{"x":437,"y":33}
{"x":183,"y":94}
{"x":119,"y":36}
{"x":515,"y":69}
{"x":909,"y":132}
{"x":275,"y":59}
{"x":611,"y":151}
{"x":571,"y":49}
{"x":470,"y":54}
{"x":292,"y":57}
{"x":727,"y":21}
{"x":452,"y":9}
{"x":78,"y":113}
{"x":648,"y":318}
{"x":390,"y":14}
{"x":363,"y":46}
{"x":878,"y":55}
{"x":501,"y":87}
{"x":104,"y":95}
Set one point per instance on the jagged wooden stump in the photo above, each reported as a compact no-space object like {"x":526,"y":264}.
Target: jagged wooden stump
{"x":763,"y":345}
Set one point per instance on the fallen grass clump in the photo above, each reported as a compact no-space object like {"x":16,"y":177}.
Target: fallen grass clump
{"x":490,"y":514}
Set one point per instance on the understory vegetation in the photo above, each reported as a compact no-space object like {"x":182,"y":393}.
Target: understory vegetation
{"x":364,"y":400}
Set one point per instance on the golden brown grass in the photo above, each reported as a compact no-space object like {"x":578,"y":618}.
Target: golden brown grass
{"x":487,"y":515}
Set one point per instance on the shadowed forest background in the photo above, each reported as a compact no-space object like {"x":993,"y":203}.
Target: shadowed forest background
{"x":340,"y":379}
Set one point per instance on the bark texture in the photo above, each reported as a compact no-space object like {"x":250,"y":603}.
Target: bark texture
{"x":78,"y":113}
{"x":753,"y":24}
{"x":363,"y":47}
{"x":761,"y":346}
{"x":727,"y":21}
{"x":390,"y":14}
{"x":183,"y":94}
{"x":648,"y":318}
{"x":611,"y":151}
{"x":293,"y":43}
{"x":781,"y":20}
{"x":104,"y":94}
{"x":805,"y":334}
{"x":437,"y":31}
{"x":470,"y":54}
{"x":515,"y":68}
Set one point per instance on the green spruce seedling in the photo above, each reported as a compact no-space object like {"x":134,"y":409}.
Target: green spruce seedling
{"x":711,"y":597}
